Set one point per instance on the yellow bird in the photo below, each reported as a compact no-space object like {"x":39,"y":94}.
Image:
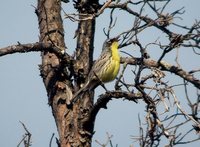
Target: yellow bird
{"x":104,"y":70}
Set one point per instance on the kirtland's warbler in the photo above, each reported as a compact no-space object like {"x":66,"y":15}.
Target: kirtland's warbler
{"x":105,"y":69}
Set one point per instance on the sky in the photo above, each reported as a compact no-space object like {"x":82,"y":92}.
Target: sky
{"x":22,"y":93}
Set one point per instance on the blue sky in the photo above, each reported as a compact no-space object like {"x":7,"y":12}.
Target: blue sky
{"x":23,"y":96}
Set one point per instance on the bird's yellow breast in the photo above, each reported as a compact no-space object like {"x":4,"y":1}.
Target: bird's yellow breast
{"x":114,"y":66}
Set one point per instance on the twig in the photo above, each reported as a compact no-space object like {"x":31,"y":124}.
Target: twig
{"x":26,"y":137}
{"x":108,"y":2}
{"x":107,"y":141}
{"x":117,"y":87}
{"x":179,"y":107}
{"x":50,"y":143}
{"x":111,"y":24}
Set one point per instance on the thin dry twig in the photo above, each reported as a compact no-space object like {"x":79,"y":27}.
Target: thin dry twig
{"x":50,"y":143}
{"x":108,"y":141}
{"x":26,"y":137}
{"x":183,"y":111}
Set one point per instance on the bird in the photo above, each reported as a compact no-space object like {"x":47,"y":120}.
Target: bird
{"x":105,"y":68}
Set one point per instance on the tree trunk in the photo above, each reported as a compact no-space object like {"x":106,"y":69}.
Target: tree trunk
{"x":73,"y":127}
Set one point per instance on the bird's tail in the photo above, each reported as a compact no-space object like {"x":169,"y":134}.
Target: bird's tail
{"x":78,"y":94}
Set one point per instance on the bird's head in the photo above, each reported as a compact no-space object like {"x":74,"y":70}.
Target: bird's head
{"x":110,"y":42}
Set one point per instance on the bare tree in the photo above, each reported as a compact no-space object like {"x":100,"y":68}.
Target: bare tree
{"x":64,"y":74}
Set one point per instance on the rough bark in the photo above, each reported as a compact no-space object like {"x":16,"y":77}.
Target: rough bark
{"x":70,"y":121}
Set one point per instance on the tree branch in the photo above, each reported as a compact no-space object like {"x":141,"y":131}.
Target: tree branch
{"x":165,"y":67}
{"x":106,"y":97}
{"x":146,"y":19}
{"x":34,"y":47}
{"x":24,"y":48}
